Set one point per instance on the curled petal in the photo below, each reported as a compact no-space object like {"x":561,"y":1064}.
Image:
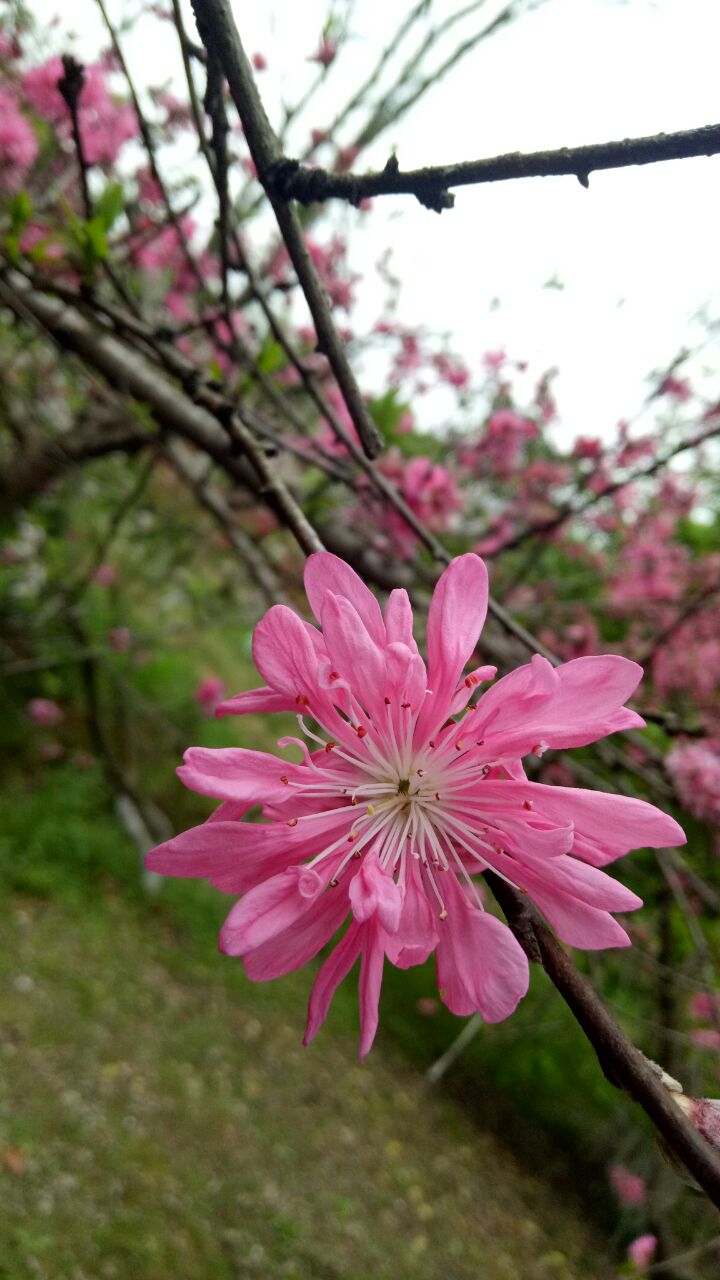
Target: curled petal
{"x":325,"y":572}
{"x":481,"y":967}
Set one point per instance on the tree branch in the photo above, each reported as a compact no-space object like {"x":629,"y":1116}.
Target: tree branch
{"x":220,"y":36}
{"x":623,"y":1065}
{"x":289,"y":180}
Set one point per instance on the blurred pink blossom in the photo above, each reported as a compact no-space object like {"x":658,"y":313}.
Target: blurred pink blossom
{"x":44,"y":711}
{"x":209,"y":694}
{"x":642,"y":1251}
{"x":629,"y":1188}
{"x":106,"y":575}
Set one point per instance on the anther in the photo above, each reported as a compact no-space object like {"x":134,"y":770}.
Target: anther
{"x":458,"y":745}
{"x":420,"y":773}
{"x":303,"y":700}
{"x":329,"y":746}
{"x":334,"y":884}
{"x":387,"y":702}
{"x":354,"y":800}
{"x":353,"y":836}
{"x":357,"y":853}
{"x":443,"y":914}
{"x":527,"y":804}
{"x":334,"y":675}
{"x":437,"y":795}
{"x":431,"y":743}
{"x":406,"y":705}
{"x":470,"y":681}
{"x":285,"y":780}
{"x":480,"y":742}
{"x":292,"y":822}
{"x":361,"y":732}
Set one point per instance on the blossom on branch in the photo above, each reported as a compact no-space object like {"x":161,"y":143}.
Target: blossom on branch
{"x":408,"y":790}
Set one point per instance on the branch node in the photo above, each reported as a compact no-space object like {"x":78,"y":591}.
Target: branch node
{"x":436,"y":198}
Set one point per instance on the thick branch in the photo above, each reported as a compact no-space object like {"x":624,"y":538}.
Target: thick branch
{"x":209,"y":422}
{"x":42,"y":460}
{"x":624,"y":1065}
{"x":289,"y":180}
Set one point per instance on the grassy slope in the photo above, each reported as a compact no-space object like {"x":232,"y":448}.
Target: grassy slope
{"x":170,"y":1123}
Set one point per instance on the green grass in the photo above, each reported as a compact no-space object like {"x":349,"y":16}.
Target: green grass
{"x":171,"y":1125}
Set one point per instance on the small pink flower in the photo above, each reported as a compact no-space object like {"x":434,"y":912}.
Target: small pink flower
{"x":259,"y":61}
{"x":408,"y":789}
{"x":18,"y":145}
{"x":676,"y":388}
{"x":106,"y":575}
{"x":326,"y":52}
{"x":642,"y":1251}
{"x":209,"y":694}
{"x":629,"y":1188}
{"x":695,"y":770}
{"x":44,"y":711}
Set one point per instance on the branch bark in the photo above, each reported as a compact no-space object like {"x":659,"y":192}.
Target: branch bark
{"x":220,"y":36}
{"x":287,"y":179}
{"x":623,"y":1065}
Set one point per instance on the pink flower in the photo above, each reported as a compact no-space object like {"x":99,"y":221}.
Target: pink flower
{"x":326,"y":52}
{"x":259,"y":61}
{"x":209,"y":694}
{"x":642,"y":1251}
{"x":677,"y":388}
{"x":405,"y":793}
{"x":629,"y":1188}
{"x":106,"y":575}
{"x":18,"y":145}
{"x":44,"y":711}
{"x":695,"y":770}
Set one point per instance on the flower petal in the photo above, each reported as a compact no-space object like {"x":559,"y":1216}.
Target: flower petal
{"x":455,"y":619}
{"x":234,"y":773}
{"x":256,"y":700}
{"x":325,"y":572}
{"x":416,"y":936}
{"x":300,"y":942}
{"x":606,"y":825}
{"x":369,"y":983}
{"x":481,"y":967}
{"x":330,"y":975}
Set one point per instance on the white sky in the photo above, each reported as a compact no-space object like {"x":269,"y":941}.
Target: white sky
{"x":636,"y":253}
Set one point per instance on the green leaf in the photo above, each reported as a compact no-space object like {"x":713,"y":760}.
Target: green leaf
{"x":96,"y":240}
{"x":110,"y":204}
{"x":272,"y":358}
{"x":20,"y":212}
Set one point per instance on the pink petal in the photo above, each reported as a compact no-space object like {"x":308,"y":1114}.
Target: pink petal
{"x":352,"y":651}
{"x":330,"y":975}
{"x":606,"y":826}
{"x":256,"y":700}
{"x":300,"y":942}
{"x":578,"y":924}
{"x":481,"y":966}
{"x":374,"y":894}
{"x":455,"y":620}
{"x":284,"y":653}
{"x":416,"y":936}
{"x":271,"y":907}
{"x":399,"y":619}
{"x":561,"y":707}
{"x":325,"y":572}
{"x":234,"y":773}
{"x":371,"y":970}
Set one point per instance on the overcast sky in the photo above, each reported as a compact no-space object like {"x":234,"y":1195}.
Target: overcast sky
{"x":636,"y":254}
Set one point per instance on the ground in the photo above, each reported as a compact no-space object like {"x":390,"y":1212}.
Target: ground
{"x":160,"y":1119}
